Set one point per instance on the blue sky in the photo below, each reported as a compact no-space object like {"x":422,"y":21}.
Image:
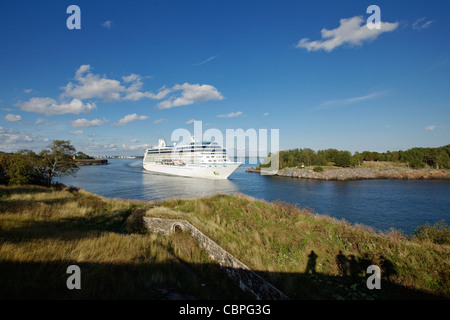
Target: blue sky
{"x":137,"y":70}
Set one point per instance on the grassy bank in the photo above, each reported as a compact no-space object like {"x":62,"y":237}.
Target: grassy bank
{"x":43,"y":231}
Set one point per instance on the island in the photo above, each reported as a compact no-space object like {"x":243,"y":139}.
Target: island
{"x":91,"y":162}
{"x":83,"y":159}
{"x":331,"y":164}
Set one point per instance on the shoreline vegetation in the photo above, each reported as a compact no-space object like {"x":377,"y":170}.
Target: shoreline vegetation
{"x":332,"y":164}
{"x":361,"y":173}
{"x":304,"y":254}
{"x":91,"y":162}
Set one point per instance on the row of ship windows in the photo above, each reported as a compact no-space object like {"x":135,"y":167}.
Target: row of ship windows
{"x":181,"y":150}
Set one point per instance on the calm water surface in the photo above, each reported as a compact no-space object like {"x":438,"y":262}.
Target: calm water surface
{"x":381,"y":204}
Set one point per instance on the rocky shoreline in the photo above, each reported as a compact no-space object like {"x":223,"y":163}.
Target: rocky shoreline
{"x":343,"y":174}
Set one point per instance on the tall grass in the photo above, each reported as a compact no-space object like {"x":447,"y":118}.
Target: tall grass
{"x":43,"y":231}
{"x":304,"y":254}
{"x":277,"y":239}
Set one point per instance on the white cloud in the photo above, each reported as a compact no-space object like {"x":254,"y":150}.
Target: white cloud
{"x":87,"y":85}
{"x":190,"y":93}
{"x":87,"y":123}
{"x":136,"y":147}
{"x":44,"y":121}
{"x":128,"y":119}
{"x":91,"y":85}
{"x":230,"y":115}
{"x":77,"y":132}
{"x":430,"y":128}
{"x":421,"y":24}
{"x":49,"y":106}
{"x":107,"y":24}
{"x":11,"y":140}
{"x":134,"y":140}
{"x":40,"y":120}
{"x":27,"y":90}
{"x":110,"y":146}
{"x":386,"y":126}
{"x":352,"y":31}
{"x":5,"y":131}
{"x":12,"y":117}
{"x":190,"y":121}
{"x":265,"y":114}
{"x":343,"y":102}
{"x":158,"y":121}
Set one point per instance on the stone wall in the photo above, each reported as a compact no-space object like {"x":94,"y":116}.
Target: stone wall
{"x":248,"y":280}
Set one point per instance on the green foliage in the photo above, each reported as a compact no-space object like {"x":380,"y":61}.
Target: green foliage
{"x":357,"y":159}
{"x":19,"y":168}
{"x":318,"y":169}
{"x":82,"y":156}
{"x":343,"y":159}
{"x":415,"y":157}
{"x":27,"y":167}
{"x":57,"y":161}
{"x":308,"y":157}
{"x":416,"y":164}
{"x":438,"y":233}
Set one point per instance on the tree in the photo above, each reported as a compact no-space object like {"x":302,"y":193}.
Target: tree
{"x":343,"y":159}
{"x":356,"y":159}
{"x":19,"y":168}
{"x":82,"y":155}
{"x":57,"y":161}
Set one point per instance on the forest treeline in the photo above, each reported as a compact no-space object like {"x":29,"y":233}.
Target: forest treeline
{"x":416,"y":158}
{"x":27,"y":167}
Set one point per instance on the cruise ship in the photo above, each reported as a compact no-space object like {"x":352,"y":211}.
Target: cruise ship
{"x":198,"y":159}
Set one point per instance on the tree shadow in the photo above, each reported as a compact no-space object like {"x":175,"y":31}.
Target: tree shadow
{"x":11,"y":190}
{"x":65,"y":228}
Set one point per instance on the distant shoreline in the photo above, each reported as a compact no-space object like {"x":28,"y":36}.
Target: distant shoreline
{"x":91,"y":162}
{"x":345,"y":174}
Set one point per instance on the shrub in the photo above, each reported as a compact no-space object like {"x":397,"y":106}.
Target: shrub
{"x":318,"y":169}
{"x":416,"y":164}
{"x":438,"y":233}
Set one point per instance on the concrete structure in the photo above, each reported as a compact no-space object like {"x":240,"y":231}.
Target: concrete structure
{"x":248,"y":280}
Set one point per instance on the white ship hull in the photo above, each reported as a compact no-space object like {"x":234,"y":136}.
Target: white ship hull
{"x":201,"y":170}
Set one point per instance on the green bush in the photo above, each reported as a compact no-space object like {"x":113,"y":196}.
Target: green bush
{"x":416,"y":164}
{"x":438,"y":233}
{"x":318,"y":169}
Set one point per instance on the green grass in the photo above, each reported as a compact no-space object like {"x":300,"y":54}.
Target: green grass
{"x":276,"y":239}
{"x":43,"y":231}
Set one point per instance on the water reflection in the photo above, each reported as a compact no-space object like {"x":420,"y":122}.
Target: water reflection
{"x":158,"y":186}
